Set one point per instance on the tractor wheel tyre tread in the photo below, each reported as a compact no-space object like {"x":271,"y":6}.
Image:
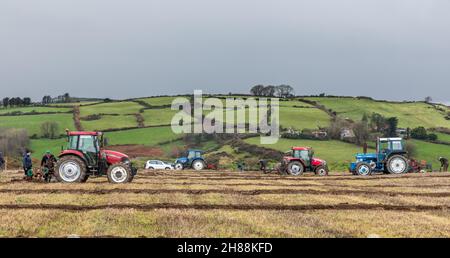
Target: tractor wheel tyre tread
{"x":401,"y":162}
{"x":124,"y":173}
{"x":321,"y":171}
{"x":368,"y":169}
{"x":74,"y":159}
{"x":295,"y":168}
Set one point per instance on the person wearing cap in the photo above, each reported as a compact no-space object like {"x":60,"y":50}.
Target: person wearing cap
{"x":48,"y":163}
{"x":444,"y":164}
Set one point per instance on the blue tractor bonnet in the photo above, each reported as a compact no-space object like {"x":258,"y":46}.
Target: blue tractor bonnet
{"x":182,"y":160}
{"x":366,"y":156}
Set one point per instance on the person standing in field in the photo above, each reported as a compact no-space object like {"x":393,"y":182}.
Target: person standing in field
{"x":2,"y":161}
{"x":48,"y":164}
{"x":27,"y":163}
{"x":444,"y":164}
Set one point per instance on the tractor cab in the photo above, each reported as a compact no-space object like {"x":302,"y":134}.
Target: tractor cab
{"x":300,"y":159}
{"x":388,"y":146}
{"x":86,"y":144}
{"x":305,"y":154}
{"x":390,"y":157}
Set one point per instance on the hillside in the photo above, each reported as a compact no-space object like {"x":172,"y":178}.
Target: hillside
{"x":146,"y":122}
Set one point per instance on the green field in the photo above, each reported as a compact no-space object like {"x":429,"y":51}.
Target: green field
{"x":338,"y":154}
{"x":431,"y":152}
{"x":34,"y":109}
{"x":159,"y":101}
{"x":303,"y":118}
{"x":158,"y":116}
{"x":40,"y":146}
{"x":109,"y":122}
{"x":443,"y":137}
{"x":81,"y":103}
{"x":32,"y":123}
{"x":122,"y":108}
{"x":409,"y":114}
{"x":147,"y":136}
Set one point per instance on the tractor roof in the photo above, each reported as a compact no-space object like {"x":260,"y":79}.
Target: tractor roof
{"x":76,"y":133}
{"x":195,"y":150}
{"x":301,"y":148}
{"x":390,"y":139}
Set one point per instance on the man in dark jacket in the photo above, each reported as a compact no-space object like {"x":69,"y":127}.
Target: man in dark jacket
{"x":444,"y":164}
{"x":2,"y":161}
{"x":48,"y":165}
{"x":27,"y":163}
{"x":263,"y":165}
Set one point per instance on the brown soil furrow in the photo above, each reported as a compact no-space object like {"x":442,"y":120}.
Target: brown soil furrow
{"x":334,"y":178}
{"x":256,"y":184}
{"x":220,"y":191}
{"x":342,"y":206}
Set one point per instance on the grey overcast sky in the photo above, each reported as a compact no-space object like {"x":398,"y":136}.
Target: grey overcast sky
{"x":387,"y":49}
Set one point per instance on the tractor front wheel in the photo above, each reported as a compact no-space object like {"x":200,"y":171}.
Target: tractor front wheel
{"x":321,"y":171}
{"x":70,"y":169}
{"x":363,"y":169}
{"x":198,"y":165}
{"x":397,"y":164}
{"x":295,"y":168}
{"x":178,"y":166}
{"x":119,"y":174}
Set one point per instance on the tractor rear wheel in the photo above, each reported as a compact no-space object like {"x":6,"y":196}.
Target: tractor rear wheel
{"x":397,"y":164}
{"x":119,"y":173}
{"x":70,"y":169}
{"x":296,"y":168}
{"x":321,"y":171}
{"x":198,"y":165}
{"x":363,"y":169}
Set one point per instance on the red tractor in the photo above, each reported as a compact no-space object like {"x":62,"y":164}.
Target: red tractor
{"x":85,"y":156}
{"x":301,"y":159}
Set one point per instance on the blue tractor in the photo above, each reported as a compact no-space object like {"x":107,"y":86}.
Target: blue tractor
{"x":192,"y":160}
{"x":390,"y":157}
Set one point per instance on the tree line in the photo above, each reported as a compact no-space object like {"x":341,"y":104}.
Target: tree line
{"x":26,"y":101}
{"x":16,"y":102}
{"x":281,"y":91}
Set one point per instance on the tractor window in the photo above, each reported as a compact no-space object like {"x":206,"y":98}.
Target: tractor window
{"x":302,"y":154}
{"x":73,"y":141}
{"x":87,"y":143}
{"x":384,"y":146}
{"x":397,"y":145}
{"x":191,"y":155}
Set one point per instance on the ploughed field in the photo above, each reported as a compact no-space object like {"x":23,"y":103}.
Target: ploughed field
{"x":228,"y":204}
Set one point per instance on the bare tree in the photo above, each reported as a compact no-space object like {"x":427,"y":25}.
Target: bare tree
{"x":257,"y":90}
{"x":284,"y":91}
{"x":49,"y":129}
{"x":13,"y":141}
